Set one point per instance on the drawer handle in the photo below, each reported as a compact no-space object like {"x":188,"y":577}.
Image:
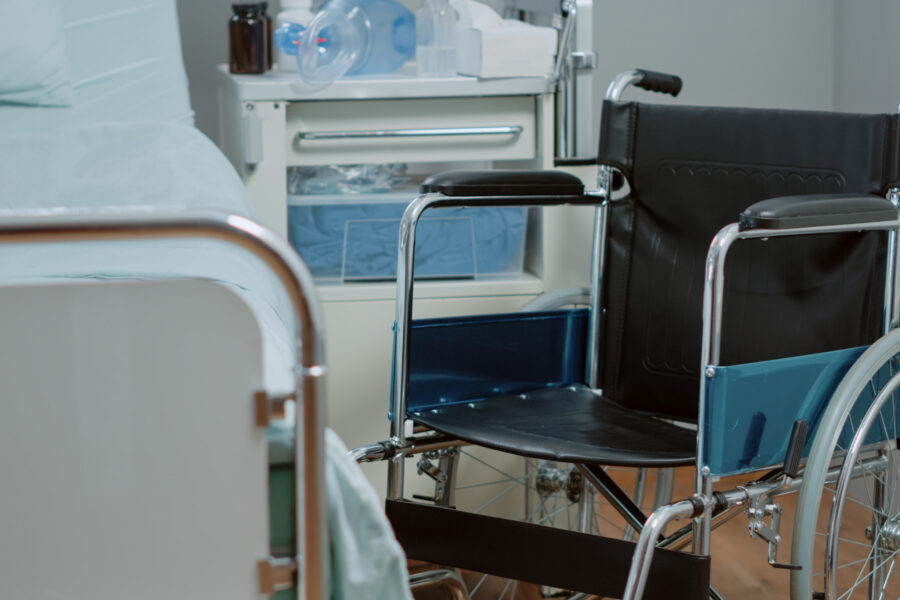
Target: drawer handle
{"x":341,"y":135}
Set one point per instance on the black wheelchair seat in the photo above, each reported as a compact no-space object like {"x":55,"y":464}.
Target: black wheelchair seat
{"x":570,"y":424}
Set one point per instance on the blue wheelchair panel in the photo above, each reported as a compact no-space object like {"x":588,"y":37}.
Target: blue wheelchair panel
{"x":461,"y":359}
{"x":749,"y":409}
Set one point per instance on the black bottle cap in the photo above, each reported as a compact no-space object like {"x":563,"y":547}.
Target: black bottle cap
{"x":245,"y":8}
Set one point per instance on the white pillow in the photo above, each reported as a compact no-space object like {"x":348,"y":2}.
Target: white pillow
{"x":33,"y":64}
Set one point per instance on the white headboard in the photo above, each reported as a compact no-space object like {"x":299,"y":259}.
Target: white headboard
{"x":126,"y":65}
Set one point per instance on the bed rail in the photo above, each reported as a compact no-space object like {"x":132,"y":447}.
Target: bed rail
{"x":310,"y":370}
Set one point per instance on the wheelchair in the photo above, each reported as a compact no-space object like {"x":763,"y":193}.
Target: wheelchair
{"x":796,"y":362}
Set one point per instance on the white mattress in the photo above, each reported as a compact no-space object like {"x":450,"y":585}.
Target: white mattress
{"x":141,"y":169}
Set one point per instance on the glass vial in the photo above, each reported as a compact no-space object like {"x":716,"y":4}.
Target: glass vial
{"x":436,"y":39}
{"x":247,"y":38}
{"x":263,"y":7}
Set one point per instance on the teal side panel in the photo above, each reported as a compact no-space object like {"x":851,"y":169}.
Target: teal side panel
{"x":749,"y":409}
{"x":281,"y":518}
{"x":282,"y":510}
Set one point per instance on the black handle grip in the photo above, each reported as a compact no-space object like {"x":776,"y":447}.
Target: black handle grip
{"x":795,"y":448}
{"x":659,"y":82}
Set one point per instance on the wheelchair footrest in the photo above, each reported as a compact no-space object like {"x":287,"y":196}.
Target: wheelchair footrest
{"x":543,"y":555}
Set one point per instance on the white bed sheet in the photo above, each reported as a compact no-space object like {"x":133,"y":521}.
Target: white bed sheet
{"x":141,"y":169}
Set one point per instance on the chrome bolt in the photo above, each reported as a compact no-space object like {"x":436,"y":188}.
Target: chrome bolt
{"x":710,"y":372}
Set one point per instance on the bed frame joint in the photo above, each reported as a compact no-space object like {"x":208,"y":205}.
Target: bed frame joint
{"x":276,"y":574}
{"x":268,"y":407}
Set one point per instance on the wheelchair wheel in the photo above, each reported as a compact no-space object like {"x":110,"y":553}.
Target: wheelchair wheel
{"x":542,"y":492}
{"x":847,"y":529}
{"x":535,"y":491}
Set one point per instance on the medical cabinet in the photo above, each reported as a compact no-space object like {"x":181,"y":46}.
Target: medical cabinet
{"x":270,"y":125}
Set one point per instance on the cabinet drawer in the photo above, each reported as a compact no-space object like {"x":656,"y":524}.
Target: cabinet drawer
{"x":411,"y":130}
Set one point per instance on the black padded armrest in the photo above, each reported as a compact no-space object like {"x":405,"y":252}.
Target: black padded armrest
{"x":817,"y":210}
{"x":503,"y":183}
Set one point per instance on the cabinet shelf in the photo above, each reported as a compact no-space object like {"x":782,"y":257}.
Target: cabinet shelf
{"x":275,"y":86}
{"x":524,"y":284}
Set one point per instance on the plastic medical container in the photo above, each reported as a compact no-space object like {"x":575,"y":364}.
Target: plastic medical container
{"x":355,"y":37}
{"x":299,"y":13}
{"x":436,"y":39}
{"x":355,"y":238}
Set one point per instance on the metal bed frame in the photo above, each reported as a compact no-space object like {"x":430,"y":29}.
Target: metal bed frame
{"x":311,"y":566}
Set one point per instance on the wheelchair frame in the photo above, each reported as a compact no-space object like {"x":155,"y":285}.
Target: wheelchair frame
{"x":704,"y":505}
{"x":757,"y":495}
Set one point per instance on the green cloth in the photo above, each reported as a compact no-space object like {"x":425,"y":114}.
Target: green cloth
{"x":367,"y":562}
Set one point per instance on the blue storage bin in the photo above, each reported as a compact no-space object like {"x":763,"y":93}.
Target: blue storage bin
{"x":355,"y":238}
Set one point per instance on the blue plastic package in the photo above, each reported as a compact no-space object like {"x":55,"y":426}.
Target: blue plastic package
{"x":346,"y":241}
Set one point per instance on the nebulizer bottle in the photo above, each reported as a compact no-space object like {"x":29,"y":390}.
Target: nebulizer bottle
{"x":294,"y":17}
{"x":436,"y":39}
{"x":350,"y":37}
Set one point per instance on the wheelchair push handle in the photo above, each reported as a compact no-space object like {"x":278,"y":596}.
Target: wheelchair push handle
{"x":642,"y":78}
{"x":663,"y":83}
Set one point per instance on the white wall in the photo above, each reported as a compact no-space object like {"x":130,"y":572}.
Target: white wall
{"x":204,"y":41}
{"x":765,"y":53}
{"x":867,"y":62}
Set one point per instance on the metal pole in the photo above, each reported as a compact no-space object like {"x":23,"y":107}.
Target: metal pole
{"x":646,"y":545}
{"x":598,"y":264}
{"x":891,"y":298}
{"x":598,"y":248}
{"x":405,"y":276}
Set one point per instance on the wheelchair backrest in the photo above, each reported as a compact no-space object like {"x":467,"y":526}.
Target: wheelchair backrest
{"x":691,"y":171}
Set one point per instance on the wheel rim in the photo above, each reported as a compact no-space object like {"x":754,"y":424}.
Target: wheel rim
{"x":860,"y":557}
{"x":836,"y":429}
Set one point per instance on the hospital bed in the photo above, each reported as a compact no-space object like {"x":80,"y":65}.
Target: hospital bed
{"x":153,"y":344}
{"x":782,"y":376}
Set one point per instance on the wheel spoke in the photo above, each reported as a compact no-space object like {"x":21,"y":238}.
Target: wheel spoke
{"x":608,"y":521}
{"x":487,"y":464}
{"x":549,"y":516}
{"x":475,"y":589}
{"x":506,"y":587}
{"x":887,"y":578}
{"x":884,"y":427}
{"x":518,"y":480}
{"x":863,"y":575}
{"x":512,"y":486}
{"x":868,"y":506}
{"x":854,"y":542}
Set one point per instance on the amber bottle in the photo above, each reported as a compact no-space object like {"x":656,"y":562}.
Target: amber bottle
{"x":247,"y":38}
